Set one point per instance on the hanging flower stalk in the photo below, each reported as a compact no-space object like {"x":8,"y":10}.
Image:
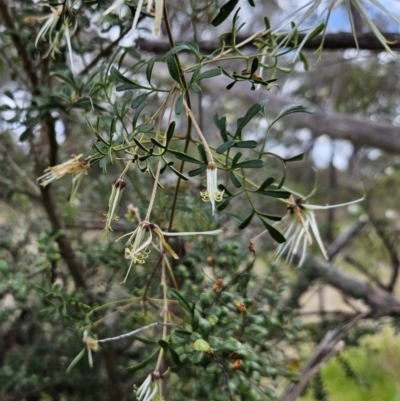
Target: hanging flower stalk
{"x":213,"y":194}
{"x":118,"y":186}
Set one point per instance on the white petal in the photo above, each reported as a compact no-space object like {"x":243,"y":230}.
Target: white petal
{"x":318,"y":207}
{"x":317,"y":235}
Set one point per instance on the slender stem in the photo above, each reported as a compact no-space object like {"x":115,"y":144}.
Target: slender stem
{"x":132,"y":333}
{"x":202,"y":138}
{"x":165,"y":313}
{"x":189,"y":126}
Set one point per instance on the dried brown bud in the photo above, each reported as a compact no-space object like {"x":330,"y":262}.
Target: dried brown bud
{"x":240,"y":306}
{"x":119,"y":183}
{"x":210,"y":261}
{"x":237,"y":364}
{"x":234,"y":355}
{"x":251,"y":246}
{"x":218,"y":285}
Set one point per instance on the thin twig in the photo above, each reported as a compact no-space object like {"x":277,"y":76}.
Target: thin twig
{"x":132,"y":333}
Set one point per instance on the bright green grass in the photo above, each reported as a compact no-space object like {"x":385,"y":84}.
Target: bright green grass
{"x":377,"y":366}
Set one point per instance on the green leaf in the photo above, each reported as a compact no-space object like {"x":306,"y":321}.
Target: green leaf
{"x":222,"y":187}
{"x":236,"y":159}
{"x":225,"y":146}
{"x":119,"y":77}
{"x":289,"y":109}
{"x":214,"y":72}
{"x":178,"y":173}
{"x":224,"y":204}
{"x":270,"y":216}
{"x":202,"y":345}
{"x":202,"y":153}
{"x":295,"y":158}
{"x":255,"y":163}
{"x":315,"y":32}
{"x":139,"y":100}
{"x":197,"y":171}
{"x":160,"y":145}
{"x":273,"y":232}
{"x":182,"y":333}
{"x":246,"y":221}
{"x":275,"y":194}
{"x":184,"y":157}
{"x":143,"y":363}
{"x":173,"y":69}
{"x":266,"y":183}
{"x":126,"y":87}
{"x":221,"y":125}
{"x":140,"y":145}
{"x":254,"y":66}
{"x":196,"y":88}
{"x":224,"y":12}
{"x":170,"y":131}
{"x":163,"y":344}
{"x":246,"y":144}
{"x":137,"y":114}
{"x":145,"y":340}
{"x":149,"y":69}
{"x":145,"y":128}
{"x":304,"y":60}
{"x":243,"y":121}
{"x":190,"y":46}
{"x":234,"y":179}
{"x":67,"y":79}
{"x":179,"y":104}
{"x":181,"y":299}
{"x":175,"y":357}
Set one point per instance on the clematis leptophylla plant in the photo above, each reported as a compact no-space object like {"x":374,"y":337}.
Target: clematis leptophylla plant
{"x":213,"y":194}
{"x":75,"y":165}
{"x":153,"y":7}
{"x":299,"y":226}
{"x":141,"y":238}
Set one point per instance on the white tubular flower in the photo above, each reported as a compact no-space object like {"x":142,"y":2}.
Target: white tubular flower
{"x":148,"y":390}
{"x":212,"y":194}
{"x":118,"y":186}
{"x":298,"y":225}
{"x":91,"y":345}
{"x":75,"y":165}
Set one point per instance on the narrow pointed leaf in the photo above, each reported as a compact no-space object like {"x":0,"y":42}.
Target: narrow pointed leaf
{"x":246,"y":221}
{"x":243,"y":121}
{"x":224,"y":12}
{"x":274,"y":233}
{"x":256,"y":163}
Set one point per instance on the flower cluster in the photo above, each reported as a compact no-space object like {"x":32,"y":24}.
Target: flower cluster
{"x":153,"y":8}
{"x":56,"y":25}
{"x":149,"y":389}
{"x":297,"y":226}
